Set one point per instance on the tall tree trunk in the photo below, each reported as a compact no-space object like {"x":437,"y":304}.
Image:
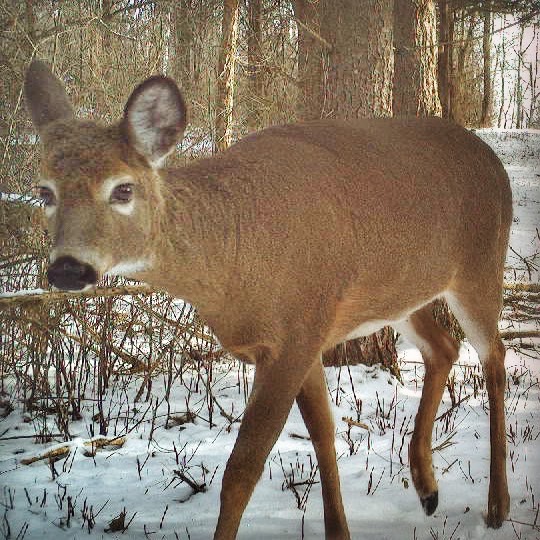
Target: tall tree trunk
{"x":445,"y":61}
{"x":415,"y":63}
{"x":519,"y":88}
{"x":465,"y":103}
{"x":226,"y":75}
{"x":182,"y":36}
{"x":255,"y":65}
{"x":345,"y":65}
{"x":415,"y":84}
{"x":101,"y":44}
{"x":310,"y":46}
{"x":534,"y":79}
{"x":487,"y":98}
{"x":503,"y":77}
{"x":358,"y":66}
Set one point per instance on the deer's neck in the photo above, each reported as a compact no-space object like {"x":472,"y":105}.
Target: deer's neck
{"x":194,"y":253}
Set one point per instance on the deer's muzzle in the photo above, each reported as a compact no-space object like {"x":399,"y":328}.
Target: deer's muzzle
{"x":68,"y":273}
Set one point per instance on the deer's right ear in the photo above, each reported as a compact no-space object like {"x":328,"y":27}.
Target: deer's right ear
{"x":155,"y":118}
{"x":45,"y":95}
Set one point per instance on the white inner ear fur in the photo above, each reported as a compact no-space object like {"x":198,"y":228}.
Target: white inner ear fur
{"x":152,"y":111}
{"x":107,"y":188}
{"x":160,"y":161}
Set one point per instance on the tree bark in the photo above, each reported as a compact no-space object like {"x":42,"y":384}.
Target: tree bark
{"x":182,"y":34}
{"x":345,"y":65}
{"x":445,"y":60}
{"x":100,"y":70}
{"x":310,"y":47}
{"x":255,"y":66}
{"x":519,"y":87}
{"x":226,"y":75}
{"x":358,"y":65}
{"x":487,"y":98}
{"x":466,"y":97}
{"x":415,"y":65}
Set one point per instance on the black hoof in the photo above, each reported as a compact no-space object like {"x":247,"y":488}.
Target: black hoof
{"x":494,"y":523}
{"x":430,"y":503}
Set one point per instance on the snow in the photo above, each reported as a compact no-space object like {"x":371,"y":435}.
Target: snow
{"x":19,"y":198}
{"x":84,"y":493}
{"x":519,"y":150}
{"x":24,"y":292}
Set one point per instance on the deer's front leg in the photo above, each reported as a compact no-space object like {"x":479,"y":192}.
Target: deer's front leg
{"x":315,"y":408}
{"x":276,"y":385}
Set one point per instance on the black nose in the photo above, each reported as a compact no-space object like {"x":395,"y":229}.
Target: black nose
{"x":68,"y":273}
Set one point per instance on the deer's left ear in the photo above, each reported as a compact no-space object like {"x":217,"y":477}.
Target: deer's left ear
{"x":155,"y":118}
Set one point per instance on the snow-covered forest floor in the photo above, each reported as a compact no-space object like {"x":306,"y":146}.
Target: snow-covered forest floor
{"x":162,"y":480}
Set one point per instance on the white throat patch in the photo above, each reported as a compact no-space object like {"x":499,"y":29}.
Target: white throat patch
{"x":129,"y":268}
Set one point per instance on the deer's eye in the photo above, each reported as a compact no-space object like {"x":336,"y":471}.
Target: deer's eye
{"x":46,"y":195}
{"x":122,"y":194}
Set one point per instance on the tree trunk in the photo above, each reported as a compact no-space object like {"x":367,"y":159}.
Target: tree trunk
{"x":415,"y":64}
{"x":225,"y":75}
{"x":415,"y":85}
{"x":503,"y":76}
{"x":255,"y":66}
{"x":345,"y":65}
{"x":487,"y":98}
{"x":519,"y":87}
{"x":466,"y":96}
{"x":100,"y":70}
{"x":182,"y":35}
{"x":358,"y":66}
{"x":310,"y":47}
{"x":445,"y":60}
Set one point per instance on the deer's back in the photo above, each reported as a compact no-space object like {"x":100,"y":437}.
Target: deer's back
{"x":394,"y":208}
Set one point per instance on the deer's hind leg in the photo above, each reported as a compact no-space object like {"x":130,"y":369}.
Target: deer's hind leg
{"x":439,"y":351}
{"x":479,"y":322}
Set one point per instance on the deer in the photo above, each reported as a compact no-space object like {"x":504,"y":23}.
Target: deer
{"x":294,"y":239}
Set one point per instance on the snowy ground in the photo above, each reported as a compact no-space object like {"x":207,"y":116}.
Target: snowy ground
{"x":167,"y":481}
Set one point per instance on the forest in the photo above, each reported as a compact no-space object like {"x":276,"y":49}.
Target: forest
{"x":243,"y":66}
{"x":104,"y":366}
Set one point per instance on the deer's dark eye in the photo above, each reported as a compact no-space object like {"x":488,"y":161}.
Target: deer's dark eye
{"x":46,"y":195}
{"x":122,"y":194}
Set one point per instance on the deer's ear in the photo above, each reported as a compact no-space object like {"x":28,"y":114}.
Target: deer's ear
{"x":45,"y":95}
{"x":155,"y":118}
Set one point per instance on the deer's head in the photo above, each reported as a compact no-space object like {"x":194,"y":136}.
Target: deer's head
{"x":99,"y":184}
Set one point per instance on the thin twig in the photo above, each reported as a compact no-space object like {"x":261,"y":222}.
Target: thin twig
{"x":60,"y":296}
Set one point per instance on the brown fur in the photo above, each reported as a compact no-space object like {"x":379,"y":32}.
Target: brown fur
{"x":291,"y":239}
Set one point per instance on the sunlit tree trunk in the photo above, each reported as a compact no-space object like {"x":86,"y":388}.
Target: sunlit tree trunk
{"x":226,"y":75}
{"x":519,"y":87}
{"x":101,"y":78}
{"x":182,"y":38}
{"x":487,"y":98}
{"x":310,"y":47}
{"x":358,"y":64}
{"x":445,"y":60}
{"x":345,"y":65}
{"x":415,"y":64}
{"x":255,"y":65}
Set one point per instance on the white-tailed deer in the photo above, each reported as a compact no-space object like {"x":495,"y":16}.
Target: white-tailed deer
{"x":291,"y":241}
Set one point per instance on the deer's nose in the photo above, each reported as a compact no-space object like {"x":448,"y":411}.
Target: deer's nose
{"x":67,"y":273}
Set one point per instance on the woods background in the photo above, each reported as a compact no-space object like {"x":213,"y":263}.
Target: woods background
{"x":242,"y":65}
